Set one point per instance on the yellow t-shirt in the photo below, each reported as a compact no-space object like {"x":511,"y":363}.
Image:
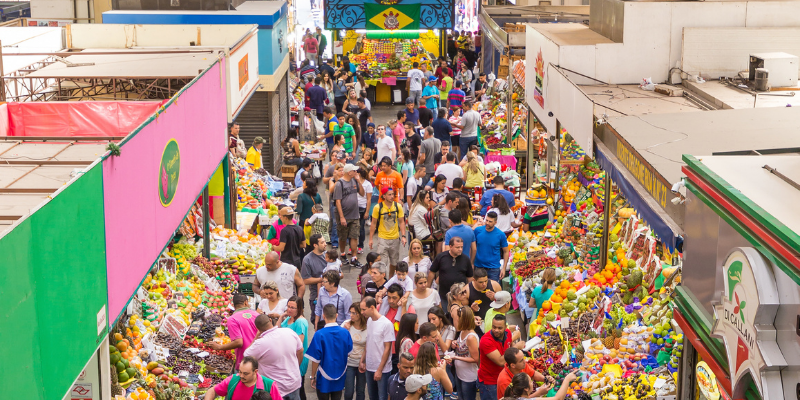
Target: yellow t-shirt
{"x":475,"y":179}
{"x":487,"y":322}
{"x":389,"y":217}
{"x":254,"y":158}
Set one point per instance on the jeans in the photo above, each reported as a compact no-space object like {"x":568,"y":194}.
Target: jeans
{"x":379,"y":390}
{"x":293,"y":396}
{"x":444,"y":304}
{"x":465,"y":142}
{"x":355,"y":382}
{"x":416,"y":95}
{"x":488,"y":392}
{"x":451,"y":374}
{"x":493,"y":274}
{"x":362,"y":233}
{"x":468,"y":390}
{"x":334,"y":233}
{"x":303,"y":388}
{"x":329,"y":396}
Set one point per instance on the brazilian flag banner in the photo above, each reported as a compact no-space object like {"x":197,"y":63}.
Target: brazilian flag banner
{"x":390,"y":18}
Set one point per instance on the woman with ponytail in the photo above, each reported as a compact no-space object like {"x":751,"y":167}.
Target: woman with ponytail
{"x":542,"y":292}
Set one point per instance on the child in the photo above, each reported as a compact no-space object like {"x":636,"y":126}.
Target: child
{"x":401,"y":277}
{"x":363,"y":276}
{"x":319,"y":222}
{"x":334,"y":263}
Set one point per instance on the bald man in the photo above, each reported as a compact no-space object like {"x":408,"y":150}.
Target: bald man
{"x":287,"y":276}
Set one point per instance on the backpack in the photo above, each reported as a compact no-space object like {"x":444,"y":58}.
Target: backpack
{"x":434,"y":220}
{"x":380,"y":207}
{"x":235,"y":381}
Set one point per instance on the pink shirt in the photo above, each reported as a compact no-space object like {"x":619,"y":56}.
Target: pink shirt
{"x":242,"y":392}
{"x":242,"y":325}
{"x":276,"y":352}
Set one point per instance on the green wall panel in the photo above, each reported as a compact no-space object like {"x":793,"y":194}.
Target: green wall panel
{"x":52,"y":294}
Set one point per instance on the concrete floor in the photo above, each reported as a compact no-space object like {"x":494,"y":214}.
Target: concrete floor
{"x":381,"y":115}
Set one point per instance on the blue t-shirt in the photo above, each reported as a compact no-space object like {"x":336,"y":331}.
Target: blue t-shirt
{"x":331,"y":122}
{"x":441,"y":129}
{"x":317,"y":96}
{"x":539,"y":298}
{"x":432,"y":103}
{"x":486,"y":199}
{"x":412,"y":117}
{"x":465,"y":233}
{"x":489,"y":251}
{"x":300,"y":327}
{"x":297,"y":181}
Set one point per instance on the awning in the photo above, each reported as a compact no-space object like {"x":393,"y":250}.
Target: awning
{"x":646,"y":207}
{"x":492,"y":31}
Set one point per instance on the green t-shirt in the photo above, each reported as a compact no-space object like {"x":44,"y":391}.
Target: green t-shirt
{"x":487,"y":321}
{"x":448,"y":86}
{"x":349,"y":135}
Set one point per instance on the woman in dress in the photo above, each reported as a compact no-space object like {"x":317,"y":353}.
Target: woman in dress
{"x":416,"y":217}
{"x":356,"y":380}
{"x":293,"y":319}
{"x":350,"y":104}
{"x":439,"y":191}
{"x":426,"y":363}
{"x":505,"y":217}
{"x":352,"y":119}
{"x":466,"y":348}
{"x":405,"y":165}
{"x":416,"y":260}
{"x":423,"y":297}
{"x":327,"y":84}
{"x":272,"y":303}
{"x":406,"y":333}
{"x":474,"y":171}
{"x":457,"y":297}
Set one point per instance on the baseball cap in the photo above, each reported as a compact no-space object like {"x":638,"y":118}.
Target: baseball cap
{"x":370,"y":124}
{"x":350,"y":168}
{"x":386,"y":189}
{"x":340,"y":155}
{"x":432,"y":78}
{"x":286,"y":211}
{"x":409,"y":100}
{"x":501,"y":298}
{"x":415,"y":382}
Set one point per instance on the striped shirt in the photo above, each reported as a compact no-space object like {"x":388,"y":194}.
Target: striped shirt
{"x":456,"y":98}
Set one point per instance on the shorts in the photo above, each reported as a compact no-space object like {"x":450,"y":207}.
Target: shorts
{"x":389,"y":249}
{"x":350,"y":231}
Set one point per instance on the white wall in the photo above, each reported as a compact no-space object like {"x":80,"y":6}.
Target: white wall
{"x":61,"y":9}
{"x":536,"y":42}
{"x":109,"y":36}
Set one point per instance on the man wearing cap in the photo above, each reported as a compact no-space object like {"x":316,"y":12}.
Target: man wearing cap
{"x":430,"y":94}
{"x":412,"y":115}
{"x":292,"y":239}
{"x":417,"y":386}
{"x":397,"y":382}
{"x":414,"y":83}
{"x":500,"y":305}
{"x":254,"y":154}
{"x":492,"y":346}
{"x":345,"y":194}
{"x":387,"y":219}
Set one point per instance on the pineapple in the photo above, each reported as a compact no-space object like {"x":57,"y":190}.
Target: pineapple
{"x":608,"y":341}
{"x":116,"y":389}
{"x":617,"y":338}
{"x":579,"y":350}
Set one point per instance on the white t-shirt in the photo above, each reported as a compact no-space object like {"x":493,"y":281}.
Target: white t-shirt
{"x":333,"y":266}
{"x":503,"y":221}
{"x":362,"y":200}
{"x":280,"y":308}
{"x":451,"y":171}
{"x":470,"y":121}
{"x":283,"y":276}
{"x":407,"y":284}
{"x":421,"y":266}
{"x":378,"y":333}
{"x":417,"y":221}
{"x":411,"y":185}
{"x":416,"y":77}
{"x":421,"y":306}
{"x":384,"y":147}
{"x":314,"y":217}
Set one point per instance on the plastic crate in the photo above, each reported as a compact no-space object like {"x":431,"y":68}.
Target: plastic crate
{"x":246,"y":284}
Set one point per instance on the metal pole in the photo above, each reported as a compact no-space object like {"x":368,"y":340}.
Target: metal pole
{"x":607,"y":228}
{"x":2,"y":76}
{"x":510,"y":102}
{"x":206,"y":225}
{"x":226,"y":171}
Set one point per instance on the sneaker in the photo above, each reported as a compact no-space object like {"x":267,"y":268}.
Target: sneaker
{"x":354,"y":261}
{"x":454,"y":396}
{"x":360,"y":250}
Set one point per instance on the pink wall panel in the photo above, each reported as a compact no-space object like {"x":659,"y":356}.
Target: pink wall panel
{"x":137,"y":225}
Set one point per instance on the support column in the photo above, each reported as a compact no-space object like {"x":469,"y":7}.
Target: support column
{"x":226,"y":172}
{"x":606,"y":227}
{"x":206,"y":225}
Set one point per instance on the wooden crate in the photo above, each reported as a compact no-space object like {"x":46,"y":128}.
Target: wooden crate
{"x":502,"y":71}
{"x":288,"y":172}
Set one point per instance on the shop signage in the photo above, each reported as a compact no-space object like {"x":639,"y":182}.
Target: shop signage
{"x":381,"y":17}
{"x":81,"y":391}
{"x":538,"y":90}
{"x":169,"y":172}
{"x":707,"y":381}
{"x":643,"y":173}
{"x":750,"y":298}
{"x":244,"y":72}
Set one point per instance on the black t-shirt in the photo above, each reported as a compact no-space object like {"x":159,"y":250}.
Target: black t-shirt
{"x":363,"y":118}
{"x":414,"y":142}
{"x":464,"y":195}
{"x":475,"y":295}
{"x":425,"y":116}
{"x":437,"y":159}
{"x":371,"y":289}
{"x":292,"y":235}
{"x":480,"y":85}
{"x":451,"y":270}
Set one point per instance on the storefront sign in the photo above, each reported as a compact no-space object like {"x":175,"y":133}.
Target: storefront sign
{"x":169,"y":171}
{"x":707,"y":381}
{"x":538,"y":90}
{"x":643,"y":173}
{"x":244,"y":72}
{"x":750,"y":298}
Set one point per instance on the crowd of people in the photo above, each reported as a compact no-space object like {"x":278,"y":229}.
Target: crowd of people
{"x":430,"y":325}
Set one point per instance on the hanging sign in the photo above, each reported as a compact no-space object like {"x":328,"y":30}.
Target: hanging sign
{"x":750,"y":298}
{"x":381,"y":17}
{"x":169,"y":172}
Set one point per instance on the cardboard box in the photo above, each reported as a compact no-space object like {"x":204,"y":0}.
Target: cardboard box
{"x":502,"y":72}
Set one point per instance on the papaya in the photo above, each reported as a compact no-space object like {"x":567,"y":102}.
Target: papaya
{"x":115,"y":358}
{"x":124,"y":377}
{"x":152,"y":365}
{"x":157,"y":371}
{"x":120,"y":366}
{"x":113,"y":349}
{"x":125,"y":363}
{"x":131,"y":372}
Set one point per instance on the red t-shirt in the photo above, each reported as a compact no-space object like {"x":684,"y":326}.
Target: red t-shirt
{"x":415,"y":349}
{"x":488,"y":371}
{"x":505,"y":378}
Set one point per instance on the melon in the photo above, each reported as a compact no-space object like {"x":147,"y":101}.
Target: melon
{"x":124,"y":377}
{"x":131,"y":372}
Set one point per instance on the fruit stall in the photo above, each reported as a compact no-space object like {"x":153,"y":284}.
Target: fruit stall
{"x":742,"y":278}
{"x":610,"y":314}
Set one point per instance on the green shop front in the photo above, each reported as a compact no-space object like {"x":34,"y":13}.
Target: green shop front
{"x":739,"y":303}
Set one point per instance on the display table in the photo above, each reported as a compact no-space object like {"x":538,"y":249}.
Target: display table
{"x":510,"y":161}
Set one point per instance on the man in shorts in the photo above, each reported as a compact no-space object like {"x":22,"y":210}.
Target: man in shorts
{"x":387,"y":219}
{"x":345,"y":196}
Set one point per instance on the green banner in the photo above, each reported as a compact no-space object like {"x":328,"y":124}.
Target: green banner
{"x":390,"y":18}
